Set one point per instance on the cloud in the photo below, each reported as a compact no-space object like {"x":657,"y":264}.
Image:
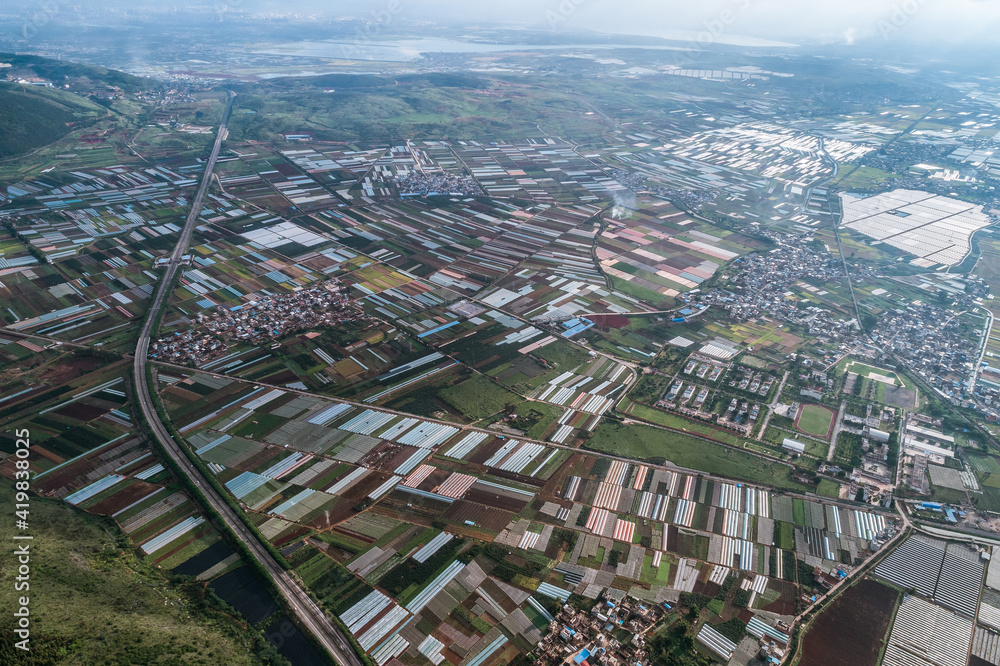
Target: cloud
{"x":836,"y":22}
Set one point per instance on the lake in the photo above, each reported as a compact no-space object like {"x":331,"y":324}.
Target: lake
{"x":405,"y":50}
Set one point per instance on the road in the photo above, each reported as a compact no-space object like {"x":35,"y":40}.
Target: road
{"x":840,"y":246}
{"x":299,"y":602}
{"x":837,"y":426}
{"x":772,"y":405}
{"x":636,"y":313}
{"x":982,"y":349}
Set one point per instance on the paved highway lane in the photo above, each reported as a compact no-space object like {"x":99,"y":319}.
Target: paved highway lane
{"x":310,"y":615}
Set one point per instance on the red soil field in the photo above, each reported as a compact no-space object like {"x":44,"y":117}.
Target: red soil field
{"x":487,"y":517}
{"x":290,"y":537}
{"x":612,"y":321}
{"x":850,"y":631}
{"x":80,"y":411}
{"x":480,"y":495}
{"x":785,"y":604}
{"x":123,"y":498}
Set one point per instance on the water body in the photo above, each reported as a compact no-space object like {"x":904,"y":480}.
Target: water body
{"x":406,"y":50}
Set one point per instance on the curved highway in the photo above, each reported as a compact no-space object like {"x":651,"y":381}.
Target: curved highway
{"x":310,"y":615}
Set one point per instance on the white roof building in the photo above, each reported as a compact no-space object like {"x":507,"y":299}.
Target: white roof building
{"x":878,"y":435}
{"x":792,"y":445}
{"x":933,"y":435}
{"x":916,"y":447}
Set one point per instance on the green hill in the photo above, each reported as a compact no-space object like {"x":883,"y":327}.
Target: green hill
{"x":93,"y":601}
{"x":81,"y":78}
{"x":32,"y":116}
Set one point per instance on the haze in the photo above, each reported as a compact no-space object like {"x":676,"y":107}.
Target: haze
{"x":721,"y":21}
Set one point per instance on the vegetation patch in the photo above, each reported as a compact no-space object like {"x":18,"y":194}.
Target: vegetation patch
{"x":656,"y":446}
{"x":95,"y":597}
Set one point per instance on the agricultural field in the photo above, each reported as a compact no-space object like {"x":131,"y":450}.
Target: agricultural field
{"x":863,"y":612}
{"x":471,"y":347}
{"x":75,"y":405}
{"x":407,"y":506}
{"x":85,"y":454}
{"x":659,"y":251}
{"x":936,"y":230}
{"x":92,"y":285}
{"x":647,"y":443}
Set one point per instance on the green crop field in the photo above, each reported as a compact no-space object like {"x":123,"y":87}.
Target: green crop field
{"x":828,"y":488}
{"x":669,"y":420}
{"x":815,"y":420}
{"x":477,"y":397}
{"x":646,"y":443}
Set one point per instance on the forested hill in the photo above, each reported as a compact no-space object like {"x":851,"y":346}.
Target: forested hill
{"x":32,"y":116}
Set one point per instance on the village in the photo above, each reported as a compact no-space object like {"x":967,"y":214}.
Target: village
{"x":620,"y":630}
{"x":258,"y":322}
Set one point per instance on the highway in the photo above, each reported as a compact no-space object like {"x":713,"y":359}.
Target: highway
{"x":310,"y":615}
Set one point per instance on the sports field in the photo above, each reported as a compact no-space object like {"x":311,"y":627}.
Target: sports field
{"x":815,"y":420}
{"x":871,"y":372}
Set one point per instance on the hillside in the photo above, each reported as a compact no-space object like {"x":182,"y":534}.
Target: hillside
{"x":31,"y":116}
{"x":92,"y":599}
{"x":81,"y":77}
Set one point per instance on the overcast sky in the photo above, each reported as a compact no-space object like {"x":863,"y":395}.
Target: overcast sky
{"x":800,"y":21}
{"x":968,"y":22}
{"x":791,"y":20}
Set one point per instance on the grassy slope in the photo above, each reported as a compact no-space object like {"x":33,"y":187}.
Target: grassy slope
{"x":372,"y":108}
{"x":93,"y":601}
